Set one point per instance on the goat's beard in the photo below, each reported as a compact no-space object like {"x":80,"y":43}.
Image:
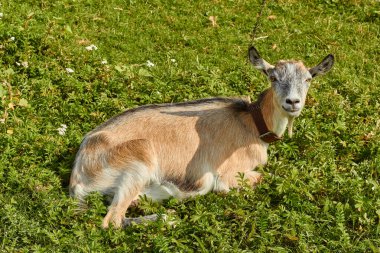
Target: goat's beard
{"x":290,"y":126}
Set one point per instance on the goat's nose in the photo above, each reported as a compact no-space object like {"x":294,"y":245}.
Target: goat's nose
{"x":292,"y":101}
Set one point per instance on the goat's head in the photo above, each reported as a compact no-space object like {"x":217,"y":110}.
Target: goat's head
{"x":290,"y":80}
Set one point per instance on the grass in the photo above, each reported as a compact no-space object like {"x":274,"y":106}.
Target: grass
{"x":321,"y":189}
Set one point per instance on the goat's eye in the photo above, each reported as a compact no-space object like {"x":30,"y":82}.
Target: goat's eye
{"x":272,"y":79}
{"x":308,"y":80}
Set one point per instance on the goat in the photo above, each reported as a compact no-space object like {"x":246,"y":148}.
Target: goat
{"x":190,"y":148}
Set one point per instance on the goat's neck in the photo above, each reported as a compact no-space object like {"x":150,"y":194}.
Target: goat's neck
{"x":275,"y":118}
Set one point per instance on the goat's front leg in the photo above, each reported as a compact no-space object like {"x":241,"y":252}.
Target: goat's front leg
{"x":232,"y":180}
{"x":253,"y":177}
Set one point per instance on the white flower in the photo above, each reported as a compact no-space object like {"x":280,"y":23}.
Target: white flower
{"x":91,"y":47}
{"x":173,"y":60}
{"x":2,"y":121}
{"x":62,"y":130}
{"x":104,"y":61}
{"x":12,"y":38}
{"x":24,"y":64}
{"x":1,"y":15}
{"x":69,"y":70}
{"x":149,"y":64}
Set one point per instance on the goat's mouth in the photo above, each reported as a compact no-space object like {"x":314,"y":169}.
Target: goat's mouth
{"x":292,"y":111}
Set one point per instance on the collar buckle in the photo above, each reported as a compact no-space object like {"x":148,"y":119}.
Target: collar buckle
{"x":269,"y":137}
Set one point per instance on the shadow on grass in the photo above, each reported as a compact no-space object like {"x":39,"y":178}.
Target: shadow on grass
{"x":63,"y":164}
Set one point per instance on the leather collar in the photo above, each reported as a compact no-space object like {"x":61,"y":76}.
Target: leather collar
{"x":265,"y":134}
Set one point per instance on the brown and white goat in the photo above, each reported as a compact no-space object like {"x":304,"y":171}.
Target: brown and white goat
{"x":190,"y":148}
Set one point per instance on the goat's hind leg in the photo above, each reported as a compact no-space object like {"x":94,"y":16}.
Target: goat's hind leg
{"x":134,"y":161}
{"x":120,"y":203}
{"x":128,"y":187}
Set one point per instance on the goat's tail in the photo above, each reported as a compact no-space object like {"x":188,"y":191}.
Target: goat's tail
{"x":78,"y":179}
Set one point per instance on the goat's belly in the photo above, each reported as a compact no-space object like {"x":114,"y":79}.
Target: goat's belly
{"x":159,"y":191}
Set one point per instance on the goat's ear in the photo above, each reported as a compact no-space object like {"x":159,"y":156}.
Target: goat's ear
{"x":257,"y":61}
{"x":323,"y":67}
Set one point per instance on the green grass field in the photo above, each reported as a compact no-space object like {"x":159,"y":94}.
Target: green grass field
{"x":321,"y":189}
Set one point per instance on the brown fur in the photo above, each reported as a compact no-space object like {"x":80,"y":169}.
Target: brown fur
{"x":268,"y":106}
{"x":95,"y":144}
{"x":133,"y":150}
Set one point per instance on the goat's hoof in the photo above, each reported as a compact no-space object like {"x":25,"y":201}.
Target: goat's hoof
{"x":143,"y":219}
{"x":115,"y":222}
